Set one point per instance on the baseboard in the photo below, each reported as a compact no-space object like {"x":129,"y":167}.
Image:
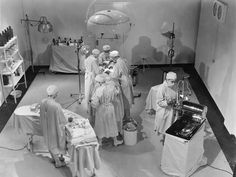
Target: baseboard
{"x":164,"y":65}
{"x":208,"y":95}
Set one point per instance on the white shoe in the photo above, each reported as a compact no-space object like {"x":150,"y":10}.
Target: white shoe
{"x":118,"y":142}
{"x":60,"y":164}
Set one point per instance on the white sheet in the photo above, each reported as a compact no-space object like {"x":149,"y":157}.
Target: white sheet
{"x":83,"y":151}
{"x":64,"y":59}
{"x":181,"y":157}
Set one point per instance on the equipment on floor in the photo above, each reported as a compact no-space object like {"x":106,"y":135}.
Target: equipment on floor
{"x":190,"y":118}
{"x":130,"y":132}
{"x":183,"y":151}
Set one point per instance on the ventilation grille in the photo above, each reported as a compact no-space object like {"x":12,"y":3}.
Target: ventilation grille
{"x":219,"y":10}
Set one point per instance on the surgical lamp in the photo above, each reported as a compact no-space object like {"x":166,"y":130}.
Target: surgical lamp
{"x":44,"y":26}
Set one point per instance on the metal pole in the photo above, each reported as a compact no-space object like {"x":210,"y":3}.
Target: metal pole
{"x":29,"y":38}
{"x":78,"y":59}
{"x":172,"y":43}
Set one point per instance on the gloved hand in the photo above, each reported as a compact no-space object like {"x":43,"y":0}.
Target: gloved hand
{"x":171,"y":102}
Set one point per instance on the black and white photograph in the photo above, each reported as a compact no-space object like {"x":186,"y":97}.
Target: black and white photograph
{"x":117,"y":88}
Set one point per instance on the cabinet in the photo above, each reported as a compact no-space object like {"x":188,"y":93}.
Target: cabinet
{"x":183,"y":151}
{"x":12,"y":68}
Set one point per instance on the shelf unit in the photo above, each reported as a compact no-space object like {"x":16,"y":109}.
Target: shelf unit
{"x":12,"y":67}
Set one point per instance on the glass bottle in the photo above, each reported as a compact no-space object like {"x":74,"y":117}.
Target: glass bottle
{"x":59,"y":40}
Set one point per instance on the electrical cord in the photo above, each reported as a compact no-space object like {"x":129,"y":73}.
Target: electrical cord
{"x":216,"y":169}
{"x":220,"y":169}
{"x":11,"y":149}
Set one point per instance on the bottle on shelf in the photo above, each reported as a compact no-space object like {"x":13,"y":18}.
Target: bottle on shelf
{"x":64,"y":41}
{"x":69,"y":42}
{"x":6,"y":35}
{"x":56,"y":42}
{"x":53,"y":41}
{"x":59,"y":40}
{"x":11,"y":31}
{"x":1,"y":40}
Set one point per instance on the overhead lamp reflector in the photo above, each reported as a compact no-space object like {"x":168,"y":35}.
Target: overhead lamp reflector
{"x":109,"y":22}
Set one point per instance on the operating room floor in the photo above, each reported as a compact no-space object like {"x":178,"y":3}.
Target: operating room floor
{"x":140,"y":160}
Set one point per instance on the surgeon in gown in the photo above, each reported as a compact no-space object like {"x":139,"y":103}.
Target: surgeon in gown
{"x":105,"y":55}
{"x":121,"y":73}
{"x":52,"y":121}
{"x":165,"y":98}
{"x":117,"y":102}
{"x":105,"y":118}
{"x":91,"y":70}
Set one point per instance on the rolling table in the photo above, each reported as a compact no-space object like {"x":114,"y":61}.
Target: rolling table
{"x":83,"y":154}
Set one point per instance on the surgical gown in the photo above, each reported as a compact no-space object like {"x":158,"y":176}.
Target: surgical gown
{"x":52,"y":121}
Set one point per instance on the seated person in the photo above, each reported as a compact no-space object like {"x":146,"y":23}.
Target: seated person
{"x":105,"y":118}
{"x":165,"y":98}
{"x":52,"y":121}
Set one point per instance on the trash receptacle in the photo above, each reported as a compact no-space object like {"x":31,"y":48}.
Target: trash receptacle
{"x":130,"y":134}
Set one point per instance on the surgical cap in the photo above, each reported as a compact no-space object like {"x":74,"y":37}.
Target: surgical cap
{"x":114,"y":53}
{"x":171,"y":75}
{"x":52,"y":90}
{"x":95,"y":51}
{"x":106,"y":47}
{"x":99,"y":78}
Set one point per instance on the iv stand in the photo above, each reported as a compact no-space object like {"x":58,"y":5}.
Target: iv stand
{"x":78,"y":97}
{"x":171,"y":51}
{"x":27,"y":22}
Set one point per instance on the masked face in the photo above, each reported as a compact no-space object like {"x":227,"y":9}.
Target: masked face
{"x":95,"y":55}
{"x":114,"y":59}
{"x":107,"y":53}
{"x":100,"y":83}
{"x":53,"y":96}
{"x":170,"y":82}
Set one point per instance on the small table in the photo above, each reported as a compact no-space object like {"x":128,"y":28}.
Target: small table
{"x":82,"y":155}
{"x":27,"y":121}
